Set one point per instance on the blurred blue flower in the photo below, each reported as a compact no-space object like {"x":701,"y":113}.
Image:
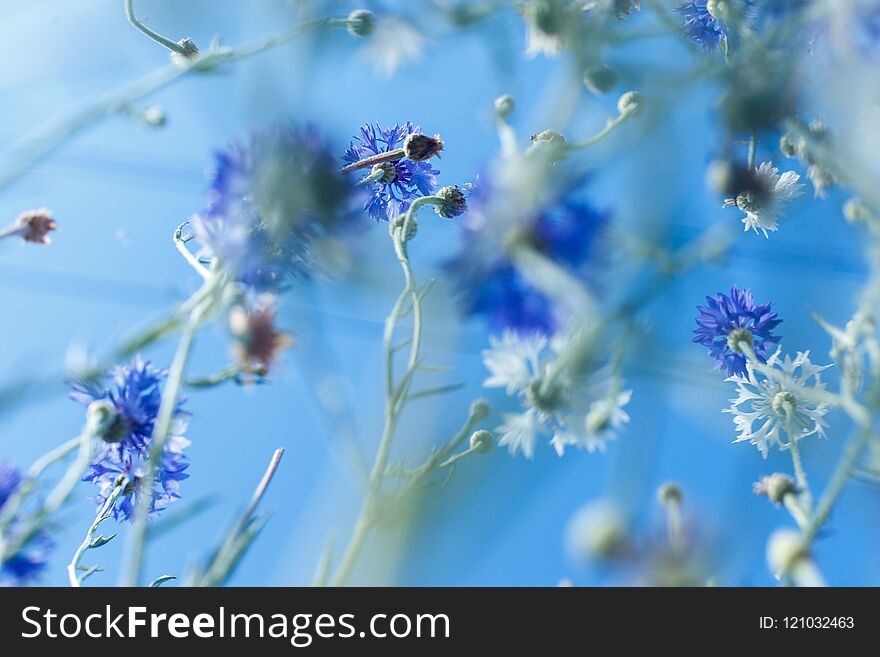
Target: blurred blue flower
{"x":728,"y":320}
{"x":277,"y":207}
{"x":404,"y":179}
{"x":26,"y":563}
{"x":706,"y":29}
{"x":135,"y":393}
{"x":489,"y":285}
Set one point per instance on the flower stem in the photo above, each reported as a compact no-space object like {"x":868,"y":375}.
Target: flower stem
{"x":155,"y":36}
{"x":103,"y":514}
{"x":396,"y":392}
{"x":164,"y":420}
{"x":800,"y":475}
{"x":610,"y":125}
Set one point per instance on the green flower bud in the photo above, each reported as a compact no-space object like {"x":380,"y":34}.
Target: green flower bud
{"x":360,"y":23}
{"x":670,"y":493}
{"x":482,"y":441}
{"x":104,"y":422}
{"x":630,"y":103}
{"x":504,"y":106}
{"x":599,"y":78}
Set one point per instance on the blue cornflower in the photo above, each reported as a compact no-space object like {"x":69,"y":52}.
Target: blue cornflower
{"x":135,"y":394}
{"x":277,"y":207}
{"x":705,"y":28}
{"x":402,"y":181}
{"x":728,"y":320}
{"x":486,"y":280}
{"x":27,"y":562}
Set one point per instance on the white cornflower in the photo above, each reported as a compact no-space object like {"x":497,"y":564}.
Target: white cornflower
{"x":513,"y":361}
{"x":775,"y":398}
{"x":584,"y":414}
{"x":764,"y":204}
{"x":519,"y":431}
{"x":592,"y":429}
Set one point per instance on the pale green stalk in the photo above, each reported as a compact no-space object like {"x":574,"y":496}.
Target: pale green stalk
{"x":105,"y":512}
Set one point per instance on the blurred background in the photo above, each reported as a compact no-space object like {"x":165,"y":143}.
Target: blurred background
{"x":118,"y":190}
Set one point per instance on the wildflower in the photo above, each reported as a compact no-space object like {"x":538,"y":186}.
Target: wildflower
{"x":394,"y":42}
{"x":585,"y":414}
{"x":564,"y":229}
{"x":774,"y":397}
{"x":454,"y":202}
{"x":134,"y":392}
{"x":32,"y":226}
{"x":706,"y":22}
{"x":277,"y":208}
{"x":766,"y":198}
{"x":257,"y":342}
{"x":402,"y":180}
{"x":546,"y":24}
{"x":727,"y":321}
{"x":26,"y":563}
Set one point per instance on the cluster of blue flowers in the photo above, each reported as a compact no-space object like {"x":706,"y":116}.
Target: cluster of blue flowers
{"x":26,"y":563}
{"x":404,"y":179}
{"x":728,"y":320}
{"x":490,"y":286}
{"x":274,"y":206}
{"x":135,"y":394}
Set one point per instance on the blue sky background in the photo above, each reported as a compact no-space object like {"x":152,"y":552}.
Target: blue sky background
{"x":119,"y":189}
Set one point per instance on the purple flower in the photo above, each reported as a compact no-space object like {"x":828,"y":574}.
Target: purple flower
{"x":277,"y":207}
{"x":729,"y":320}
{"x":27,"y":562}
{"x":404,"y":179}
{"x":135,"y":393}
{"x":489,"y":285}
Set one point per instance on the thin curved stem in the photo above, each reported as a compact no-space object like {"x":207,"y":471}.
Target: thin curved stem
{"x":173,"y":46}
{"x":396,"y":392}
{"x":164,"y":421}
{"x":103,"y":514}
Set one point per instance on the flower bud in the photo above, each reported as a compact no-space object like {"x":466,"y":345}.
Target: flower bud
{"x":599,"y":78}
{"x":630,"y":103}
{"x":775,"y":486}
{"x":385,"y":172}
{"x":419,"y":147}
{"x":454,"y":202}
{"x":190,"y":52}
{"x":104,"y":422}
{"x":597,"y":531}
{"x":504,"y":106}
{"x":789,"y":145}
{"x":482,"y":441}
{"x":479,"y":410}
{"x":257,"y":343}
{"x":670,"y":493}
{"x":360,"y":23}
{"x":855,"y":211}
{"x":784,"y":549}
{"x":155,"y":116}
{"x":552,"y":137}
